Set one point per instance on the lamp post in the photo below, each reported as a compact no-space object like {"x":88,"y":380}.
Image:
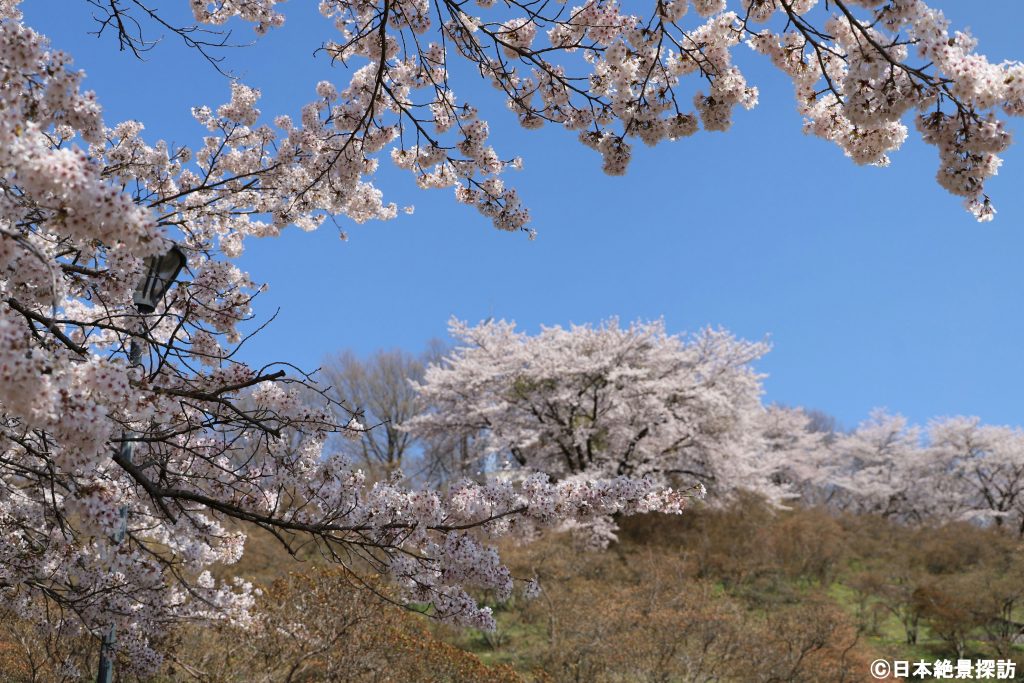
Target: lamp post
{"x":160,"y":274}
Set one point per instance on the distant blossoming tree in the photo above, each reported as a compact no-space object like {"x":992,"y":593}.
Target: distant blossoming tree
{"x":978,"y":471}
{"x":792,"y":451}
{"x":872,"y":469}
{"x":608,"y":401}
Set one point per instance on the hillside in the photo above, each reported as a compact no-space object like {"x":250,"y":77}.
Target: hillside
{"x":746,"y":593}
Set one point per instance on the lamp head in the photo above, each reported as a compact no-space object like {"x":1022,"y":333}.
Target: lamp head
{"x":161,"y":272}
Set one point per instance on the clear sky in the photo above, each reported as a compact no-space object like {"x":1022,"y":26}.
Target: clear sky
{"x":873,"y":285}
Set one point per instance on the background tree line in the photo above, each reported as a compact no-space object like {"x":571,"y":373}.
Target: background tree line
{"x":607,"y":400}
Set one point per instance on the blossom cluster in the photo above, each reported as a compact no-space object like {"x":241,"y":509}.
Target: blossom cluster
{"x":859,"y":70}
{"x":856,"y":80}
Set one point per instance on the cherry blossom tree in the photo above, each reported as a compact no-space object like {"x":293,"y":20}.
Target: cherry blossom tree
{"x":872,"y":469}
{"x":607,"y":401}
{"x":794,"y":453}
{"x":978,"y":471}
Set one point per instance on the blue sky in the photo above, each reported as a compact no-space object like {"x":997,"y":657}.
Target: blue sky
{"x":874,"y":287}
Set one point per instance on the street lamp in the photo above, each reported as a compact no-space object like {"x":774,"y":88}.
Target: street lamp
{"x":161,"y":272}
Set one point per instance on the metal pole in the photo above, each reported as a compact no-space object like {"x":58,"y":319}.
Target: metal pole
{"x":127,"y":450}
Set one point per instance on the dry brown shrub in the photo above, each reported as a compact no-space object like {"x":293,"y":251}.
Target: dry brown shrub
{"x":326,"y":625}
{"x":29,"y":654}
{"x":640,"y":614}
